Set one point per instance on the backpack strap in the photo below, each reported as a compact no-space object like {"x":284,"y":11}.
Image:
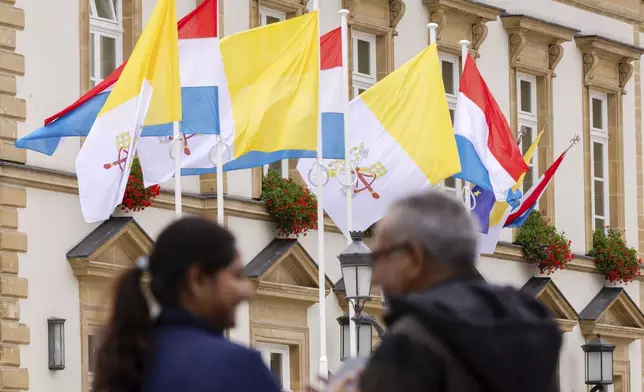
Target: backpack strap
{"x":457,"y":377}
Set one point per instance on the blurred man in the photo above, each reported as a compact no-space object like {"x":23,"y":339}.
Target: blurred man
{"x":449,"y":330}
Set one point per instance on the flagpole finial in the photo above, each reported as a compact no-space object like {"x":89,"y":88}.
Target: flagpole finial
{"x":344,"y":12}
{"x":432,"y":32}
{"x":576,"y":139}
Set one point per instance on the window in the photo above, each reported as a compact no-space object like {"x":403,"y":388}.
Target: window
{"x":528,"y":124}
{"x":92,"y":353}
{"x":599,"y":159}
{"x":450,"y":69}
{"x":105,"y":44}
{"x":268,"y":16}
{"x":277,"y":358}
{"x":279,"y":166}
{"x":364,"y":61}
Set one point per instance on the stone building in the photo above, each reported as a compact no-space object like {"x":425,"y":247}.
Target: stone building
{"x":568,"y":67}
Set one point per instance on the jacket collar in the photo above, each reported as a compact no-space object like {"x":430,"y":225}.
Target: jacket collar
{"x":182,"y":318}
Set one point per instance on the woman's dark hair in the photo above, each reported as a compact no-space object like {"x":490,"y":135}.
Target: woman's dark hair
{"x":127,"y":345}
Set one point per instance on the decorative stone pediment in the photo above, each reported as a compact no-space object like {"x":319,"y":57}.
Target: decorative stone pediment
{"x":110,"y":249}
{"x":613,"y":314}
{"x":535,"y":44}
{"x":285,"y":270}
{"x":547,"y":292}
{"x":375,"y":15}
{"x":458,"y":20}
{"x":607,"y":63}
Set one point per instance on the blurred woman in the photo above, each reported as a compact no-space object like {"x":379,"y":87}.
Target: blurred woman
{"x":195,"y":276}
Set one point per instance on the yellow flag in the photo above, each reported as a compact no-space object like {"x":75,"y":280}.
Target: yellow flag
{"x":154,"y":61}
{"x":272,"y":73}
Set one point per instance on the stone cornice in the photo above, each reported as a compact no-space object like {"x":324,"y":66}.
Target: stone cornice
{"x":456,"y":15}
{"x":396,"y":8}
{"x":527,"y":32}
{"x":591,"y":328}
{"x":617,"y":56}
{"x":288,"y":292}
{"x":288,"y":6}
{"x":65,"y":182}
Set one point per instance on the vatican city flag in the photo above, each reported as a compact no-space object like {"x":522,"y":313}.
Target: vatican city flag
{"x":147,"y":93}
{"x":401,"y":142}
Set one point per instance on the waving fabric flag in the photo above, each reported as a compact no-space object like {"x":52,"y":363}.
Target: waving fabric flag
{"x":199,"y":157}
{"x":204,"y":92}
{"x":529,"y":200}
{"x":493,"y":218}
{"x":401,"y":142}
{"x":148,"y":92}
{"x":489,"y":155}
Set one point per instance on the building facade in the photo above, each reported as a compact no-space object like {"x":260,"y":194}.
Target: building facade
{"x":567,"y":67}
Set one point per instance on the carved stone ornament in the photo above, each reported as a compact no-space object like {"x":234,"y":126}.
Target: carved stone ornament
{"x":625,"y":73}
{"x":590,"y":64}
{"x":479,"y":33}
{"x":350,"y":5}
{"x":397,"y":9}
{"x":518,"y":42}
{"x":555,"y":52}
{"x":440,"y":18}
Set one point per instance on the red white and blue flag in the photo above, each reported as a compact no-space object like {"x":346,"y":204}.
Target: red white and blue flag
{"x":204,"y":92}
{"x":490,"y":157}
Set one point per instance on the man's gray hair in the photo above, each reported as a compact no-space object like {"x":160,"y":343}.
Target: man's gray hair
{"x":441,"y":224}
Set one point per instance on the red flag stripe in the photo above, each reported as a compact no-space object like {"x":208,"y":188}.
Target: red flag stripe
{"x":500,"y":140}
{"x":539,"y":188}
{"x":331,"y":49}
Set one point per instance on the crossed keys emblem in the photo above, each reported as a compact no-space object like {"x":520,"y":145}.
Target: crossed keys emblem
{"x":122,"y":145}
{"x":364,"y":176}
{"x":186,"y":147}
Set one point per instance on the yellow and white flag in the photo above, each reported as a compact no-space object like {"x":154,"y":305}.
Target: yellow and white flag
{"x":147,"y":93}
{"x":401,"y":142}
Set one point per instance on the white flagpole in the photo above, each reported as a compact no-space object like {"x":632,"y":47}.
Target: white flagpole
{"x":178,"y":150}
{"x":468,"y":200}
{"x":220,"y":158}
{"x":324,"y":361}
{"x":353,"y":338}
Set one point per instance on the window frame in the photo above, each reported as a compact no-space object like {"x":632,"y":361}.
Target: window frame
{"x":265,"y":12}
{"x":91,"y":331}
{"x":266,"y":349}
{"x":451,"y":103}
{"x":529,"y":120}
{"x":599,"y":136}
{"x":101,"y":27}
{"x":360,"y":80}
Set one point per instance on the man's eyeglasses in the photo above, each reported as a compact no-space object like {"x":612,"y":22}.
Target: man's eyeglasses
{"x":390,"y":251}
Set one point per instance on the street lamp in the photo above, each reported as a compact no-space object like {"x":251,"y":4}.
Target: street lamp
{"x":364,"y":334}
{"x":355,"y":262}
{"x":599,"y":363}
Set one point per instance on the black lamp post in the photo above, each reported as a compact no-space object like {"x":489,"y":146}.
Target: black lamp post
{"x":364,"y":335}
{"x":599,"y":363}
{"x":355,"y":262}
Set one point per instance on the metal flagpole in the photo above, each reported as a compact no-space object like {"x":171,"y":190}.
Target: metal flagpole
{"x":324,"y":361}
{"x":178,"y":149}
{"x":349,"y":186}
{"x":220,"y":158}
{"x":468,"y":197}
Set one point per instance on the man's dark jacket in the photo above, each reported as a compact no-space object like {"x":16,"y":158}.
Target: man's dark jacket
{"x":505,"y":339}
{"x":191,"y":356}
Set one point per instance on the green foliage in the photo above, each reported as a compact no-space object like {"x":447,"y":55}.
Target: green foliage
{"x":543,"y":245}
{"x":292,"y":207}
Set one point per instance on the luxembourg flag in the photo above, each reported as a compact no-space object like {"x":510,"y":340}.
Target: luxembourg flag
{"x":204,"y":92}
{"x":199,"y":156}
{"x":490,"y":157}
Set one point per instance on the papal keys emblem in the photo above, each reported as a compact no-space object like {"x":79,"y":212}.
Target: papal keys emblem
{"x":366,"y":176}
{"x":122,"y":146}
